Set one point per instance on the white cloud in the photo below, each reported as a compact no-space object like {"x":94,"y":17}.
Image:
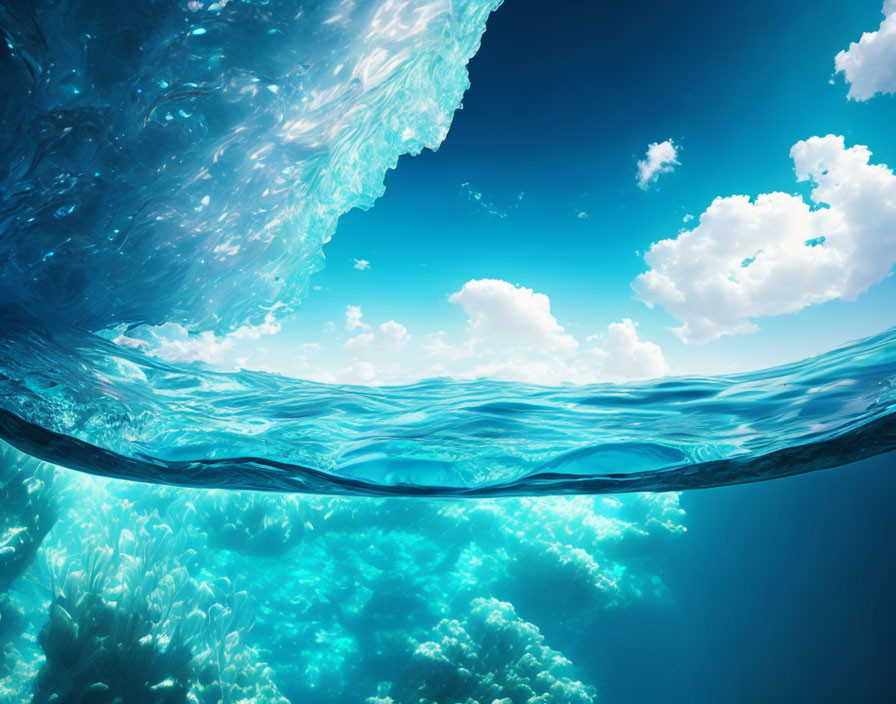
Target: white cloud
{"x":510,"y":334}
{"x":619,"y":355}
{"x":622,"y":356}
{"x":747,"y":259}
{"x":361,"y":264}
{"x":511,"y":316}
{"x":438,"y":348}
{"x":174,"y":343}
{"x":869,"y":65}
{"x":353,"y":318}
{"x":388,"y":338}
{"x":662,"y":158}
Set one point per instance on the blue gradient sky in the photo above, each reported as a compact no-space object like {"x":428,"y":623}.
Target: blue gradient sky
{"x":562,"y":104}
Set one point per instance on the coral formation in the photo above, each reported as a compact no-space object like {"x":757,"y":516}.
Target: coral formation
{"x":490,"y":656}
{"x":27,"y":511}
{"x":153,"y":594}
{"x":137,"y":617}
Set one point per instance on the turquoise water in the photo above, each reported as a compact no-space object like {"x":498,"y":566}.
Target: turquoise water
{"x":103,"y":408}
{"x":174,"y":533}
{"x":776,"y":591}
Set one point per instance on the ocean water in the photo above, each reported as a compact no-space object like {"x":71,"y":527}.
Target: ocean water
{"x":175,"y":533}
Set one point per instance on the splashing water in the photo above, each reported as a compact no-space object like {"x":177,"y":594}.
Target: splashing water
{"x":195,"y":179}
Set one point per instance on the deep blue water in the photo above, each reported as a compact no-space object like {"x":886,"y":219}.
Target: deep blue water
{"x":780,"y":592}
{"x":172,"y":533}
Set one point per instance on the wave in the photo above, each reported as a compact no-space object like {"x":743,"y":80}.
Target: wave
{"x":77,"y":400}
{"x":185,"y":163}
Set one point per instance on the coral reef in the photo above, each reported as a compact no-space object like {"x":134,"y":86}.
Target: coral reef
{"x":136,"y":616}
{"x":252,"y":523}
{"x":28,"y":510}
{"x":370,"y":574}
{"x":491,"y":656}
{"x":29,"y":507}
{"x":152,"y":594}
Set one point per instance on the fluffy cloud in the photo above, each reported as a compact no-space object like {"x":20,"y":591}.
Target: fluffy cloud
{"x":375,"y":354}
{"x":617,"y":355}
{"x":353,"y":318}
{"x":174,"y":343}
{"x":778,"y":254}
{"x":388,"y":338}
{"x":512,"y":335}
{"x":361,"y":264}
{"x":511,"y":316}
{"x":622,"y":356}
{"x":662,"y":158}
{"x":869,"y":65}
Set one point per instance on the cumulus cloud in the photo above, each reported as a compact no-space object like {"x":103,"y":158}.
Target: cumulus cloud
{"x":622,"y":356}
{"x":512,"y":335}
{"x":511,"y":316}
{"x":361,"y":264}
{"x":353,"y":317}
{"x":778,"y":254}
{"x":376,"y":355}
{"x":662,"y":158}
{"x":388,"y":338}
{"x":617,"y":355}
{"x":174,"y":343}
{"x":869,"y":65}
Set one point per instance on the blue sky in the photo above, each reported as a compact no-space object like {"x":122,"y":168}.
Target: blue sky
{"x":562,"y":106}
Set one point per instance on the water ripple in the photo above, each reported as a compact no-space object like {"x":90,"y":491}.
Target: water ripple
{"x":78,"y":400}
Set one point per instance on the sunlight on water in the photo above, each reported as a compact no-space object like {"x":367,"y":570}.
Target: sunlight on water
{"x":89,"y":404}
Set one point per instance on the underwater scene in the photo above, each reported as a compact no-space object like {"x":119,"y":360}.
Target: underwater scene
{"x":632,"y":440}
